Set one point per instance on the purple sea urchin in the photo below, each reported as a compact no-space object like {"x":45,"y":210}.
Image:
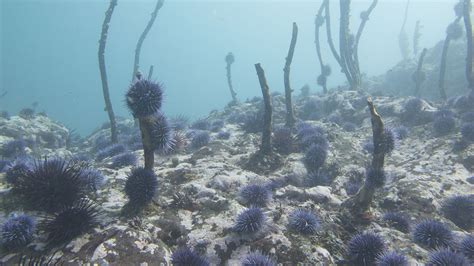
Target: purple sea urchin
{"x":200,"y":139}
{"x":467,"y":247}
{"x":250,"y":221}
{"x":303,"y":222}
{"x":432,"y":234}
{"x":364,"y":249}
{"x":124,"y":159}
{"x":397,"y":220}
{"x":93,"y":178}
{"x":144,"y":98}
{"x":13,"y":148}
{"x":460,"y":210}
{"x":110,"y":151}
{"x":257,"y":259}
{"x":444,"y":125}
{"x":17,"y":169}
{"x":446,"y":257}
{"x":70,"y":222}
{"x":141,"y":186}
{"x":201,"y":124}
{"x":186,"y":257}
{"x":392,"y":259}
{"x":315,"y":157}
{"x":161,"y":135}
{"x":255,"y":194}
{"x":17,"y":231}
{"x":51,"y":185}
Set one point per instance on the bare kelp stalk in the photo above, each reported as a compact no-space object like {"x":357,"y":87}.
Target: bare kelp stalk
{"x":230,"y":59}
{"x":403,"y":42}
{"x":453,"y":32}
{"x":319,"y":22}
{"x":348,"y":44}
{"x":103,"y":71}
{"x":266,"y":146}
{"x":265,"y":160}
{"x":290,"y":117}
{"x":419,"y":76}
{"x":469,"y":36}
{"x":416,"y":38}
{"x":360,"y":203}
{"x":138,"y":49}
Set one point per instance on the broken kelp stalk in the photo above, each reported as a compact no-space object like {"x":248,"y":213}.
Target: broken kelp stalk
{"x":416,"y":38}
{"x":265,"y":160}
{"x":290,"y":117}
{"x":403,"y":42}
{"x":319,"y":22}
{"x":470,"y":42}
{"x":360,"y":203}
{"x":419,"y":75}
{"x":453,"y":32}
{"x":266,"y":146}
{"x":138,"y":49}
{"x":230,"y":59}
{"x":103,"y":71}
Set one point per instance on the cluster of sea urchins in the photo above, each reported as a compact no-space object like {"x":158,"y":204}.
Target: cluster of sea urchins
{"x":144,"y":98}
{"x":59,"y":188}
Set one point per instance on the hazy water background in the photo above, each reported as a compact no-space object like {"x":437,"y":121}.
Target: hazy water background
{"x":49,"y":50}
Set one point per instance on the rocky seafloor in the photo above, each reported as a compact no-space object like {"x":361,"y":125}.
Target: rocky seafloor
{"x":197,"y":198}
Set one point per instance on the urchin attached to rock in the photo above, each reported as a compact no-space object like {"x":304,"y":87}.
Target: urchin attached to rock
{"x":315,"y":157}
{"x":186,"y":257}
{"x":70,"y":222}
{"x":397,"y":220}
{"x":15,"y":170}
{"x":467,"y":247}
{"x":443,"y":125}
{"x":303,"y":222}
{"x":365,"y":248}
{"x":446,"y":257}
{"x":124,"y":159}
{"x":432,"y":234}
{"x":110,"y":151}
{"x":200,"y":139}
{"x":141,"y":186}
{"x":460,"y":210}
{"x":13,"y":148}
{"x":392,"y":259}
{"x":255,"y":194}
{"x":51,"y":185}
{"x":250,"y":221}
{"x":93,"y":178}
{"x":17,"y":231}
{"x":257,"y":258}
{"x":144,"y":97}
